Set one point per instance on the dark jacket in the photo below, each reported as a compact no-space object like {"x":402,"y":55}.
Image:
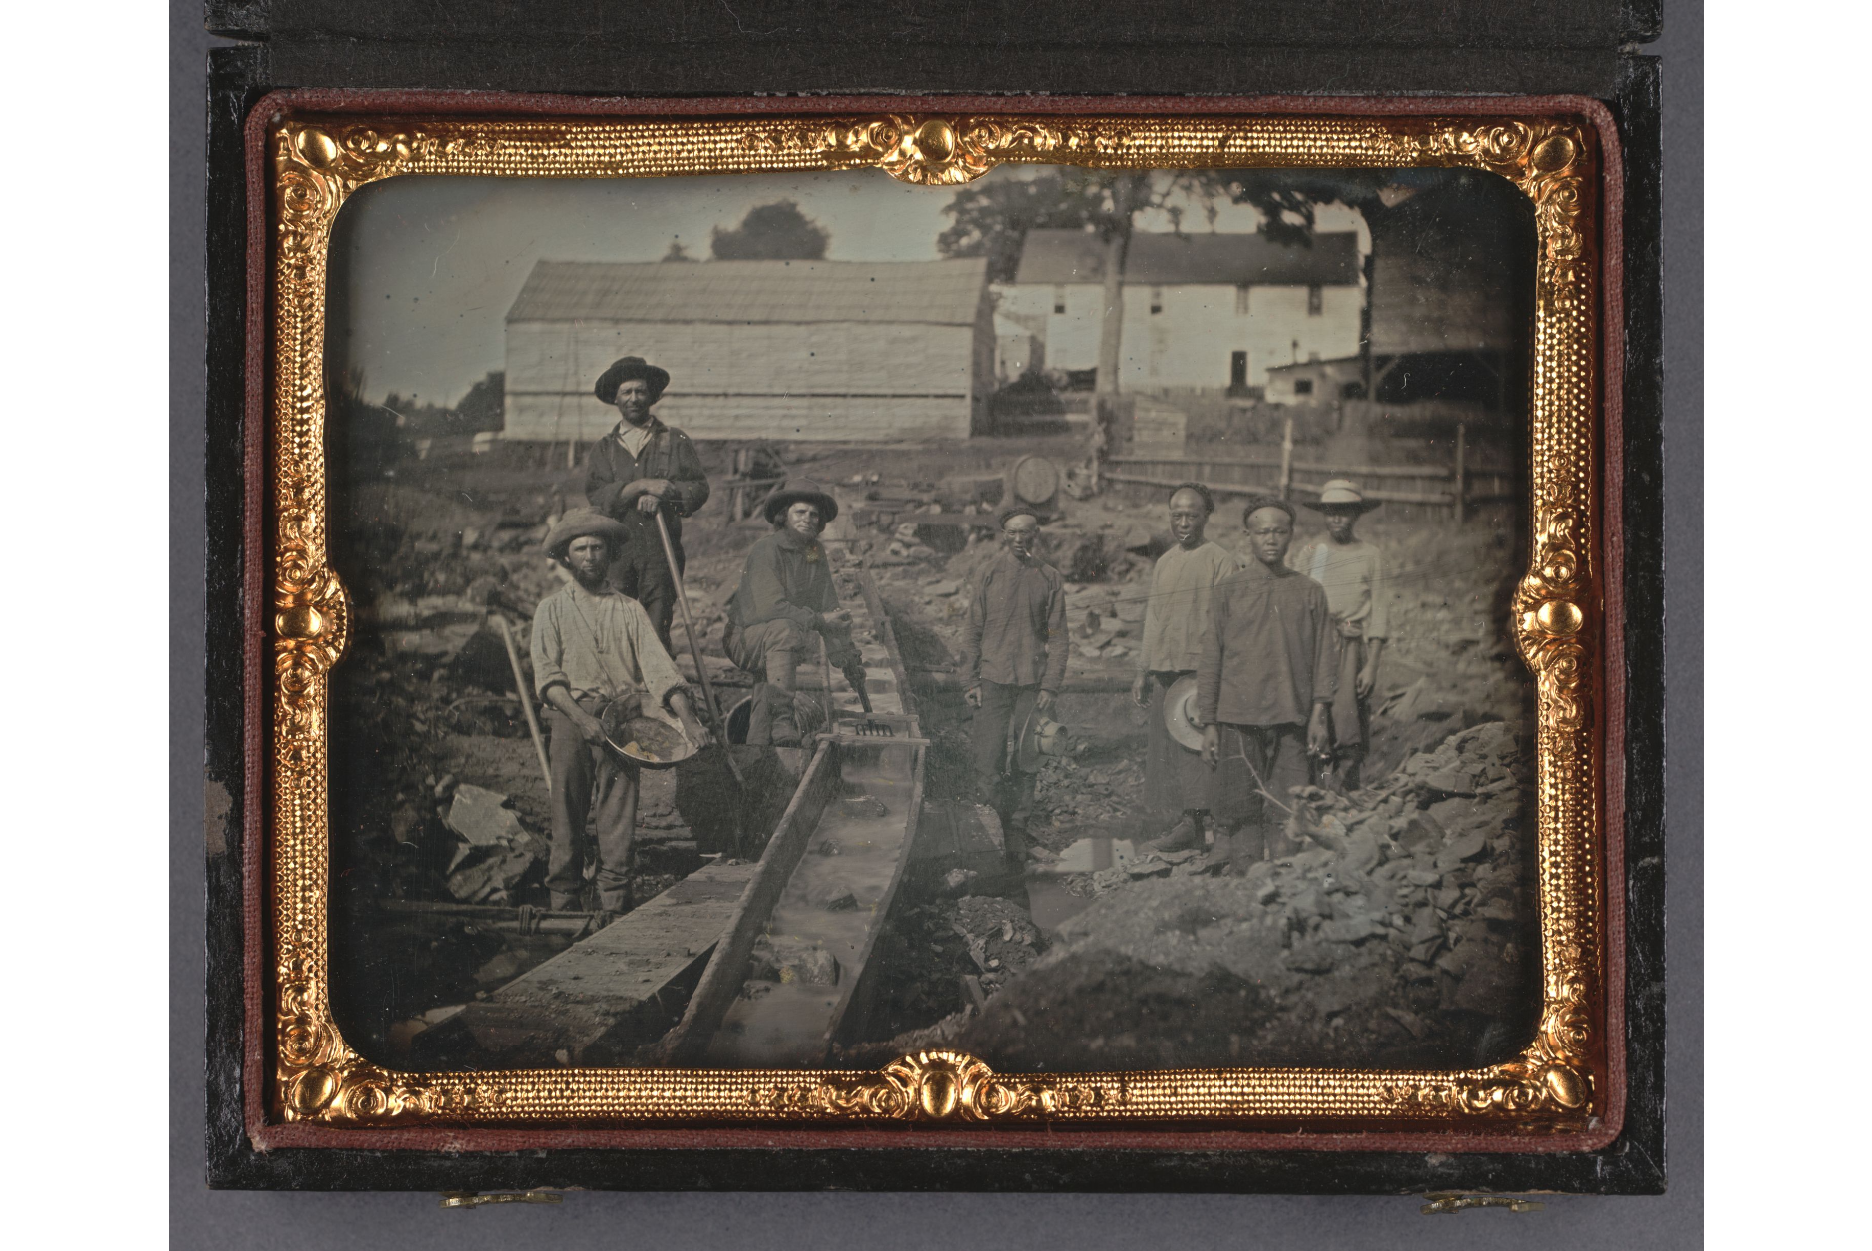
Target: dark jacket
{"x":669,"y":454}
{"x":1268,"y":655}
{"x":1016,"y":628}
{"x":786,"y":578}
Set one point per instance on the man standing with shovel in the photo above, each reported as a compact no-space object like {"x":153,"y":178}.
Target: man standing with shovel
{"x":591,"y":646}
{"x":641,"y":472}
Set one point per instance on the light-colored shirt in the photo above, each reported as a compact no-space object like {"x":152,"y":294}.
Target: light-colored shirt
{"x":1181,"y":602}
{"x":1353,"y":575}
{"x":600,"y":645}
{"x":634,"y":438}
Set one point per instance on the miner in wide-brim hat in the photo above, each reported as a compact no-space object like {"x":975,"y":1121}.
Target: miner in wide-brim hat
{"x":641,"y":470}
{"x":592,"y":647}
{"x":786,"y":602}
{"x":1013,"y":662}
{"x":1352,"y":571}
{"x":1341,"y":495}
{"x":800,"y":491}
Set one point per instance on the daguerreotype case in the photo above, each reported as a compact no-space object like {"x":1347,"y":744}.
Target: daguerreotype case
{"x":787,"y":614}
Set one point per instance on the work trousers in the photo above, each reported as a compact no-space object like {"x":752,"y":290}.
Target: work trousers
{"x":1177,"y":779}
{"x":642,"y":572}
{"x":584,"y":776}
{"x":999,"y":782}
{"x":1351,"y":714}
{"x":1257,"y":767}
{"x":771,"y":650}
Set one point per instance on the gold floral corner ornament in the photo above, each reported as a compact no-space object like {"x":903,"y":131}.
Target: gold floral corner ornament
{"x":1550,"y":1087}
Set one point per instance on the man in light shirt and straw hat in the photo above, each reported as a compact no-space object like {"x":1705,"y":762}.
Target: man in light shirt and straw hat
{"x":1352,"y":571}
{"x":593,"y":645}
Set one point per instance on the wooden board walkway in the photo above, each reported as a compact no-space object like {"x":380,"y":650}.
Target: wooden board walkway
{"x":602,"y":998}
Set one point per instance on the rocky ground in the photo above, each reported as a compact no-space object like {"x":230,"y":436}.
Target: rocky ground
{"x":1402,"y":930}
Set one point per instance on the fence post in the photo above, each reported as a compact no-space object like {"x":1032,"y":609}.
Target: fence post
{"x":1286,"y":465}
{"x":1461,"y":475}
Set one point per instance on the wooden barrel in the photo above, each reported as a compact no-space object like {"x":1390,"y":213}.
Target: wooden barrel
{"x":1033,"y":480}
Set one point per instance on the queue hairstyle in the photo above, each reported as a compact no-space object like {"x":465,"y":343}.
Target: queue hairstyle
{"x":1208,"y":497}
{"x":1268,"y":501}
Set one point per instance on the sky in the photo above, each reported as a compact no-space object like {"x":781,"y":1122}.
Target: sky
{"x":424,"y":269}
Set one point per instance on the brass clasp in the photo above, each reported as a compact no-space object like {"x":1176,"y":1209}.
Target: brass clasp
{"x":1452,"y":1201}
{"x":475,"y":1199}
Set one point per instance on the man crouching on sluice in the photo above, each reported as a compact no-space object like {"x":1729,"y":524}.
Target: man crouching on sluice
{"x":1264,"y":686}
{"x":779,"y":611}
{"x":1177,"y":782}
{"x":592,"y":645}
{"x":1013,"y":659}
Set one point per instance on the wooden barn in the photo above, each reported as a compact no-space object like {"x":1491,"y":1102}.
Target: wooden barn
{"x":838,"y":351}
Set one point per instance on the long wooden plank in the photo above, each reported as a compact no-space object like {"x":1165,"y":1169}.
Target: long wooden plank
{"x":604,"y":997}
{"x":849,"y":986}
{"x":835,"y":905}
{"x":721,"y":979}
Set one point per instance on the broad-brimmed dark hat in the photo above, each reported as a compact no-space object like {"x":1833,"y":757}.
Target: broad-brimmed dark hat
{"x":800,"y":491}
{"x":1341,"y":496}
{"x":623,"y":370}
{"x":583,"y":521}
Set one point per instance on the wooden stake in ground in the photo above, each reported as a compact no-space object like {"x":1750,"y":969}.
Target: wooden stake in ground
{"x":526,"y":699}
{"x":695,"y":649}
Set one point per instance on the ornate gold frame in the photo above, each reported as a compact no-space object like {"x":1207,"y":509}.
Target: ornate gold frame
{"x":1561,"y":1090}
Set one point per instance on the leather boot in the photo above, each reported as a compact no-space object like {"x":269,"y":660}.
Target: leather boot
{"x":1185,"y":835}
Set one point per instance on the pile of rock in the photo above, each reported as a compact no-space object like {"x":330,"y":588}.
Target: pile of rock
{"x":1403,"y":930}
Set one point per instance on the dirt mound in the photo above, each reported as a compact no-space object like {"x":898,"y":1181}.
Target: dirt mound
{"x":1405,"y":933}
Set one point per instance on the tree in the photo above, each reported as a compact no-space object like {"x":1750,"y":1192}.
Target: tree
{"x":771,"y":232}
{"x":992,"y":220}
{"x":482,"y":407}
{"x":677,"y":252}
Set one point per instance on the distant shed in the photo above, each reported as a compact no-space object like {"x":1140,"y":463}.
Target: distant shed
{"x":798,"y":350}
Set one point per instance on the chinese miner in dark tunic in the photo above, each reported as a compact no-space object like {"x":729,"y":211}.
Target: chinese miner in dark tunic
{"x":641,"y":468}
{"x":783,"y":605}
{"x":1177,"y":781}
{"x":1013,"y":661}
{"x":1264,"y":684}
{"x":592,"y":645}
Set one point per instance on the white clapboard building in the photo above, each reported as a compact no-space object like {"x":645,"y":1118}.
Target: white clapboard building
{"x":1204,"y":310}
{"x":800,"y":350}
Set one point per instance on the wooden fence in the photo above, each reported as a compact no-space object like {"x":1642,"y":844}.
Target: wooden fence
{"x":1457,"y":484}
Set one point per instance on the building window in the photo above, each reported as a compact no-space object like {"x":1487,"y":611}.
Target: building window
{"x":1241,"y":299}
{"x":1303,"y":386}
{"x":1315,"y":300}
{"x":1156,"y":300}
{"x":1059,"y":299}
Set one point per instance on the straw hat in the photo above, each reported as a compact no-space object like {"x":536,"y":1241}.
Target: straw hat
{"x":1341,"y":495}
{"x":1179,"y":712}
{"x":582,"y":521}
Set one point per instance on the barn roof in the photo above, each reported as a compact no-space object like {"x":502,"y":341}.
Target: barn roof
{"x":947,"y":293}
{"x":1061,"y":257}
